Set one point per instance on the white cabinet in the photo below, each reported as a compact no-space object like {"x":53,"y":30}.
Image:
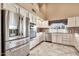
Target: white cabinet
{"x":59,"y":38}
{"x":76,"y":41}
{"x":10,"y":7}
{"x":24,"y":12}
{"x":77,"y":21}
{"x":71,"y":38}
{"x":62,"y":38}
{"x":71,"y":22}
{"x":44,"y":24}
{"x":33,"y":18}
{"x":19,"y":51}
{"x":66,"y":39}
{"x":54,"y":38}
{"x":39,"y":23}
{"x":36,"y":40}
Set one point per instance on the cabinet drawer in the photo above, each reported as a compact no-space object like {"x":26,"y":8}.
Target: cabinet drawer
{"x":20,"y":51}
{"x":54,"y":37}
{"x":12,"y":44}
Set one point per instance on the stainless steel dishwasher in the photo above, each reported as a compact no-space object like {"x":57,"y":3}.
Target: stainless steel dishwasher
{"x":48,"y":37}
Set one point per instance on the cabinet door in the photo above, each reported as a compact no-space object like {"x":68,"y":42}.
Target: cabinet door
{"x":77,"y":21}
{"x":30,"y":16}
{"x":9,"y":6}
{"x":54,"y":38}
{"x":22,"y":11}
{"x":45,"y":23}
{"x":71,"y":22}
{"x":20,"y":51}
{"x":38,"y":23}
{"x":65,"y":39}
{"x":59,"y":38}
{"x":71,"y":39}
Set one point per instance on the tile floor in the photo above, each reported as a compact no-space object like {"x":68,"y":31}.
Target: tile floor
{"x":51,"y":49}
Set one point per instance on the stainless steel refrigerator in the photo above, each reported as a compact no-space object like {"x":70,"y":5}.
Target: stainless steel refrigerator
{"x":14,"y":41}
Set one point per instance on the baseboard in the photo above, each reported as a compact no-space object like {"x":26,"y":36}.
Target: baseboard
{"x":63,"y":44}
{"x":48,"y":41}
{"x":28,"y":54}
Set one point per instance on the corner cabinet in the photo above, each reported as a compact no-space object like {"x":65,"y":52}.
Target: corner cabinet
{"x":71,"y":22}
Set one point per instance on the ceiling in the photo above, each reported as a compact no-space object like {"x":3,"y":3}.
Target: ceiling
{"x":60,"y":10}
{"x":55,"y":11}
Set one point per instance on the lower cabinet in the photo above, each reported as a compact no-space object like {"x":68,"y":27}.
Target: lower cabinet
{"x":20,"y":51}
{"x":36,"y":40}
{"x":76,"y":43}
{"x":59,"y":38}
{"x":54,"y":37}
{"x":64,"y":38}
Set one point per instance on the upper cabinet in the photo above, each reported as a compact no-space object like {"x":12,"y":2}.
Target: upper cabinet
{"x":45,"y":24}
{"x":32,"y":18}
{"x":24,"y":12}
{"x":71,"y":22}
{"x":10,"y":6}
{"x":77,"y":21}
{"x":38,"y":22}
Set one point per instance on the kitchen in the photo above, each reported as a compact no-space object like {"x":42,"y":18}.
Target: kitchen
{"x":25,"y":28}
